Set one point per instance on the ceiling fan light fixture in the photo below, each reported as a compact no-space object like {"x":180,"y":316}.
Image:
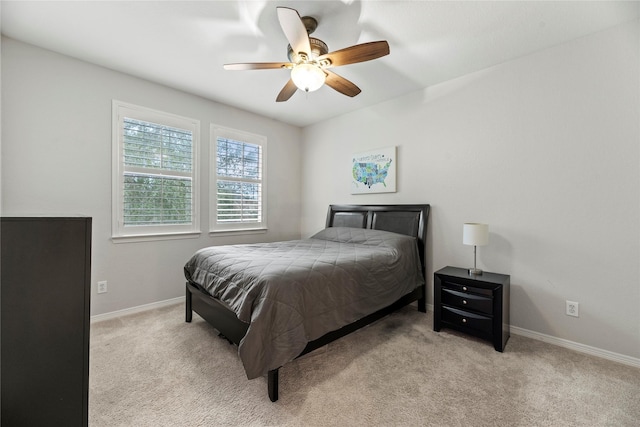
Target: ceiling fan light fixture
{"x":308,"y":77}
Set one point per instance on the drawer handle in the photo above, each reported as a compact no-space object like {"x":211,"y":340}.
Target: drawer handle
{"x":464,"y":320}
{"x":464,"y":288}
{"x":464,"y":301}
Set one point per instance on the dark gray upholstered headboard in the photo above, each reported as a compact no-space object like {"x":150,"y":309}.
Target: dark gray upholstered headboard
{"x":411,"y":220}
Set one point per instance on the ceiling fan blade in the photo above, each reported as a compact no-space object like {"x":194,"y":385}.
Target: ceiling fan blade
{"x":258,"y":66}
{"x":287,"y":91}
{"x":341,"y":84}
{"x":358,"y":53}
{"x":294,"y":30}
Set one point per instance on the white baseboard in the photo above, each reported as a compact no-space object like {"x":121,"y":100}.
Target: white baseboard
{"x":138,"y":309}
{"x":582,"y":348}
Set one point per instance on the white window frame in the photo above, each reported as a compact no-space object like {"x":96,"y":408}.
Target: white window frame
{"x":236,"y":227}
{"x":122,"y":233}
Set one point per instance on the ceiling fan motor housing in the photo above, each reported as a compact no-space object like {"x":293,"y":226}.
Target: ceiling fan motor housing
{"x":318,"y":48}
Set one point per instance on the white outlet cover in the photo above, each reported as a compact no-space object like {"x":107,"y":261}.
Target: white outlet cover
{"x":573,"y":309}
{"x":102,"y":287}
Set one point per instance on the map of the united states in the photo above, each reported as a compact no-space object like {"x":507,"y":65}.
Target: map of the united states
{"x":371,"y":172}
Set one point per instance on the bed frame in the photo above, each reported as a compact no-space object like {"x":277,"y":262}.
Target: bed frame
{"x":404,"y":219}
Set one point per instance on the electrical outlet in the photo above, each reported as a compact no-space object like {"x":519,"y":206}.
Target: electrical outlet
{"x":102,"y":287}
{"x":573,"y":309}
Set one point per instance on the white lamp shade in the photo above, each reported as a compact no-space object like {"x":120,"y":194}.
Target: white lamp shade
{"x":475,"y":234}
{"x":308,"y":77}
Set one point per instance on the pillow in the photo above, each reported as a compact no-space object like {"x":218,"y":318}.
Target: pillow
{"x":359,"y":235}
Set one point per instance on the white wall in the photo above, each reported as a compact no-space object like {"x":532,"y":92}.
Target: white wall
{"x":545,"y":149}
{"x":56,"y":159}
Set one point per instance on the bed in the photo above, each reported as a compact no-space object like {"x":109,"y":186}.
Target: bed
{"x":278,"y":301}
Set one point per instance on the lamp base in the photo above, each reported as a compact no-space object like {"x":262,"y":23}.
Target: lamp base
{"x":475,"y":271}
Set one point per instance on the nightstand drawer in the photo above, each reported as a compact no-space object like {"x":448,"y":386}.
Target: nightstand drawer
{"x":467,"y":301}
{"x":460,"y":287}
{"x":467,"y":319}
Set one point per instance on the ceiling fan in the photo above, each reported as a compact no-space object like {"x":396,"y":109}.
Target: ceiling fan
{"x":310,"y":60}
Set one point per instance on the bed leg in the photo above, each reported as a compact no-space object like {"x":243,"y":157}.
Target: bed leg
{"x":422,"y":302}
{"x":272,"y":384}
{"x":188,"y":310}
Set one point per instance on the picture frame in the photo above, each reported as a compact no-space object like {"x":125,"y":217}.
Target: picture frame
{"x":374,"y":171}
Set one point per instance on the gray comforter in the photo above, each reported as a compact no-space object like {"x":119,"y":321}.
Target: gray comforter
{"x":296,"y":291}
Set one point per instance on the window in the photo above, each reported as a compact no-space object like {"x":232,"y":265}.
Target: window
{"x":154,"y":180}
{"x":238,"y":193}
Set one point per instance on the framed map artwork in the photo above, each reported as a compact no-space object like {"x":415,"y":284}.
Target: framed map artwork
{"x":374,"y":171}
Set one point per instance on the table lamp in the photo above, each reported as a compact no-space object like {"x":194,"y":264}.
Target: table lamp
{"x":477,"y":235}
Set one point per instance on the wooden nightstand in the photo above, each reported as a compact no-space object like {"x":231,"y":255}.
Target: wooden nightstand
{"x":475,"y":304}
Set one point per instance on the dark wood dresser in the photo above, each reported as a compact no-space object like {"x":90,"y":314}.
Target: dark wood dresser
{"x":45,"y":294}
{"x":475,"y":304}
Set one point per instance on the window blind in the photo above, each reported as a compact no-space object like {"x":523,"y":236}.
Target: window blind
{"x":239,"y":181}
{"x":157,"y":173}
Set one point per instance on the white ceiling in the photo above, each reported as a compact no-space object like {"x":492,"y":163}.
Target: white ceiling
{"x":183,"y":44}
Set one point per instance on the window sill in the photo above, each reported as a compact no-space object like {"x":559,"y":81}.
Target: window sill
{"x":237,"y":232}
{"x":155,"y":237}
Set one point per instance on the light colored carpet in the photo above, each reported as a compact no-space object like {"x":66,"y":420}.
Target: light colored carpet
{"x":153,"y":369}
